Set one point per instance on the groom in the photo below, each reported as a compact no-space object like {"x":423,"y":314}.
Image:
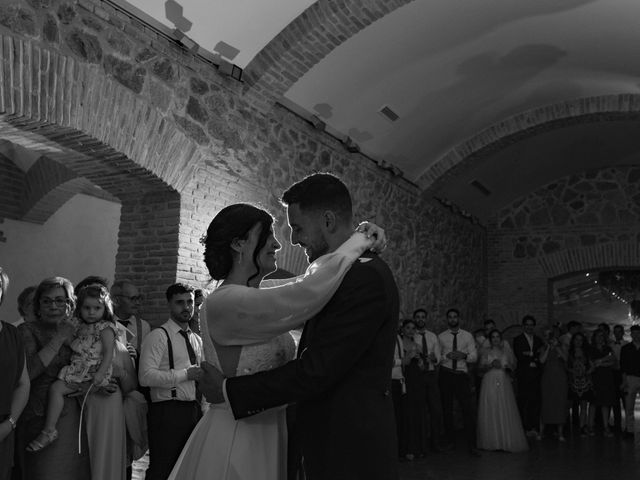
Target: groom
{"x":341,"y":378}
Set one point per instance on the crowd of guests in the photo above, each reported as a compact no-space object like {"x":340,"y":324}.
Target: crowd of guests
{"x":505,"y":391}
{"x":88,"y":386}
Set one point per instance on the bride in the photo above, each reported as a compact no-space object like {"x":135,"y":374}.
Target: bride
{"x":499,"y":423}
{"x":246,"y":329}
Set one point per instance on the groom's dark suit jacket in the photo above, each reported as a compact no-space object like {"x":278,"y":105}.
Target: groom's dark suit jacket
{"x":341,"y":380}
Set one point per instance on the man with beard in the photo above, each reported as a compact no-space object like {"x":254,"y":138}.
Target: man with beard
{"x":341,"y":377}
{"x":169,"y":365}
{"x":458,"y":349}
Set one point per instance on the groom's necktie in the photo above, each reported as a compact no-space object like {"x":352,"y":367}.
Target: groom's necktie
{"x":454,"y":347}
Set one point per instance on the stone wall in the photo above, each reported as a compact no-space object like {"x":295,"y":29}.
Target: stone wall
{"x":576,"y":223}
{"x":438,"y":257}
{"x":227,"y":144}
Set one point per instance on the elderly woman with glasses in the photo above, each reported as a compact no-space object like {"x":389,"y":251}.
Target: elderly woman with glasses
{"x":46,"y":342}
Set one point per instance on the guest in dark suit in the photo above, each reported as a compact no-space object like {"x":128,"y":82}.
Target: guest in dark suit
{"x":340,"y":380}
{"x":527,"y":347}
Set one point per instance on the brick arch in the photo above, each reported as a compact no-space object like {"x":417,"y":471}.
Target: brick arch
{"x":62,"y":102}
{"x":48,"y":186}
{"x":604,"y":255}
{"x":530,"y":123}
{"x":75,"y":115}
{"x":310,"y":37}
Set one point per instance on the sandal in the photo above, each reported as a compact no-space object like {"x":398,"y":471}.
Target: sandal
{"x":43,"y":440}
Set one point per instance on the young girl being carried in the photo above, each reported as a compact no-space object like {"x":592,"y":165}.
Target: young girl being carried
{"x":93,"y":348}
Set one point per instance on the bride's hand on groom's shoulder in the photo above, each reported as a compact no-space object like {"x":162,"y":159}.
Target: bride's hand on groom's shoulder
{"x":210,"y":383}
{"x":375,"y":234}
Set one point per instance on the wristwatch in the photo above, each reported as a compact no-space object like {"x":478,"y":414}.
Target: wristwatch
{"x":12,"y":422}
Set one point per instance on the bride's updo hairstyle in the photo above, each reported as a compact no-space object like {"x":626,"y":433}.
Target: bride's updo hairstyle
{"x":233,"y":222}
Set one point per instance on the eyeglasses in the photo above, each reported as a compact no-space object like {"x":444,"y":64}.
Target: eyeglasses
{"x":133,"y":298}
{"x":58,"y":301}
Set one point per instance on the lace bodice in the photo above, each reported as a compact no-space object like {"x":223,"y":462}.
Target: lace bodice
{"x":256,"y":357}
{"x":266,"y":356}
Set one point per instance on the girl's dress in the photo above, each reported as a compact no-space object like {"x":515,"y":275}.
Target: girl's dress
{"x":257,"y":320}
{"x":580,"y":384}
{"x":499,"y":423}
{"x":87,"y":353}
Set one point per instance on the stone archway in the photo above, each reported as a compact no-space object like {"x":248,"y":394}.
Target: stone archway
{"x":575,"y":284}
{"x":530,"y":123}
{"x":594,"y":257}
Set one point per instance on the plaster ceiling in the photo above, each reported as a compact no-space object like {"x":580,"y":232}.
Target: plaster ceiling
{"x":450,"y":69}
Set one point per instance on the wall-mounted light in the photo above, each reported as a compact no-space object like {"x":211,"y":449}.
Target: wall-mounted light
{"x":351,"y":146}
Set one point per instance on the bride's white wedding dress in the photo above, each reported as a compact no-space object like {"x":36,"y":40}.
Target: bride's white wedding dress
{"x":499,"y":423}
{"x":258,"y":320}
{"x":221,"y":447}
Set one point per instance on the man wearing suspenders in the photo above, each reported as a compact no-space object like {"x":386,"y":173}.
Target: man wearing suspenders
{"x":169,"y":366}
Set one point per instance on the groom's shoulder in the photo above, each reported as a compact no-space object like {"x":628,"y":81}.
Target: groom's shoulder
{"x":370,"y":267}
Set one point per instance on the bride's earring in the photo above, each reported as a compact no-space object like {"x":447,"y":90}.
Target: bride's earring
{"x":240,"y":257}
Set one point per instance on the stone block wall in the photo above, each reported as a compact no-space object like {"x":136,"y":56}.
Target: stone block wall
{"x":438,"y":258}
{"x":576,"y":223}
{"x":221,"y":143}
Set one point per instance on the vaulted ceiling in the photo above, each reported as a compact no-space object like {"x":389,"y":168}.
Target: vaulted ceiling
{"x":448,"y":69}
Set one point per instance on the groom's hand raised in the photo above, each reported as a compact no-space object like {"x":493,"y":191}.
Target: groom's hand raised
{"x":211,"y":383}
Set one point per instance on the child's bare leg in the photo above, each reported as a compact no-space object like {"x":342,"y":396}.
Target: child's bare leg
{"x":49,"y":434}
{"x":57,"y":391}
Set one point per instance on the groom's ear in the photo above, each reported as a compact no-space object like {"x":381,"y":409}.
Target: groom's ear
{"x":329,"y":221}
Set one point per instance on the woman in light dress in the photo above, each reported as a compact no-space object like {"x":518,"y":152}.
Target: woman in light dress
{"x":245,"y":330}
{"x":499,"y":423}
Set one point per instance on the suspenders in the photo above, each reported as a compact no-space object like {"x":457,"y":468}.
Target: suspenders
{"x":171,"y":365}
{"x":139,"y":335}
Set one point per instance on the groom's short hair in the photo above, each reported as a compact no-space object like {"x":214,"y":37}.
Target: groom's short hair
{"x":320,"y":191}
